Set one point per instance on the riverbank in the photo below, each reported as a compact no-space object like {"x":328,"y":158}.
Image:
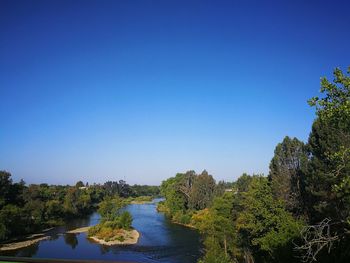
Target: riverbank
{"x":141,"y":200}
{"x":161,"y":208}
{"x":79,"y":230}
{"x":30,"y":240}
{"x":185,"y":225}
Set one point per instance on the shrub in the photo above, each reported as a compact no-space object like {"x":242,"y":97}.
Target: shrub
{"x":185,"y":219}
{"x":125,"y":220}
{"x":94,"y":230}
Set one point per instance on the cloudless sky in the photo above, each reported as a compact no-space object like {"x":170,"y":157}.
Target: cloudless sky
{"x":140,"y":90}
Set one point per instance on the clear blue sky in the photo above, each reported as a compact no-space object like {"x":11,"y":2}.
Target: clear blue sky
{"x":140,"y":90}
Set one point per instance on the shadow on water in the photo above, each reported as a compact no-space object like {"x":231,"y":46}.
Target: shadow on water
{"x":71,"y":239}
{"x":160,"y":241}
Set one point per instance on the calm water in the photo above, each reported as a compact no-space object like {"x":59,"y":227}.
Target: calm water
{"x":160,"y":241}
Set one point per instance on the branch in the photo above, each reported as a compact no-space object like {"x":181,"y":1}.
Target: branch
{"x":315,"y":238}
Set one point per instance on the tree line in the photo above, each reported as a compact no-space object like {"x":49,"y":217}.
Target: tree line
{"x":27,"y":209}
{"x":300,"y":212}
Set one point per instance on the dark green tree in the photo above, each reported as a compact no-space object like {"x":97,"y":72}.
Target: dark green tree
{"x":5,"y":184}
{"x":327,"y":178}
{"x":286,"y":173}
{"x":175,"y":200}
{"x":12,"y":221}
{"x":201,"y":193}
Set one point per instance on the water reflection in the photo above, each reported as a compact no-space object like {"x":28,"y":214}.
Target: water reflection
{"x":26,"y":252}
{"x":71,"y":239}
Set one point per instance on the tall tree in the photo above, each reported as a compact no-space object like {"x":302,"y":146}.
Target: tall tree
{"x":286,"y":173}
{"x":202,"y":191}
{"x":264,"y":225}
{"x":328,"y":180}
{"x":185,"y":186}
{"x":328,"y":175}
{"x":5,"y":184}
{"x":174,"y":198}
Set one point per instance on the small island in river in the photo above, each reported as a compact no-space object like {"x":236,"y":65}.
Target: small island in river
{"x":115,"y":226}
{"x":118,"y":237}
{"x":108,"y":236}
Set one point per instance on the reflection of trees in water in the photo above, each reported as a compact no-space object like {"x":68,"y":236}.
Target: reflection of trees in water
{"x":104,"y":249}
{"x":31,"y":250}
{"x":71,"y":240}
{"x":54,"y":237}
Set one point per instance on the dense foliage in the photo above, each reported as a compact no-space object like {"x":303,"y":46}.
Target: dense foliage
{"x":186,"y":193}
{"x":25,"y":209}
{"x":299,"y":213}
{"x":145,"y":190}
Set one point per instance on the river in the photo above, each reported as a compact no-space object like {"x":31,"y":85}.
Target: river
{"x":160,"y":241}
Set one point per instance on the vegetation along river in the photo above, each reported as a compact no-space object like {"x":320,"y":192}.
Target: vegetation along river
{"x":160,"y":241}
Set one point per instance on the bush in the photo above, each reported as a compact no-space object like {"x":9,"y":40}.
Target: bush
{"x":185,"y":219}
{"x":94,"y":230}
{"x":125,"y":220}
{"x":182,"y":218}
{"x":115,"y":224}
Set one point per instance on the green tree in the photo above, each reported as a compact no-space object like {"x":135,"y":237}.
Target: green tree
{"x":70,"y":202}
{"x":35,"y":209}
{"x":242,"y":183}
{"x":5,"y":184}
{"x":84,"y":202}
{"x":286,"y":170}
{"x":218,"y":226}
{"x":186,"y":193}
{"x":53,"y":209}
{"x":174,"y":198}
{"x":109,"y":208}
{"x":201,"y":193}
{"x":328,"y":179}
{"x":125,"y":220}
{"x":264,"y":224}
{"x":214,"y":252}
{"x":12,"y":222}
